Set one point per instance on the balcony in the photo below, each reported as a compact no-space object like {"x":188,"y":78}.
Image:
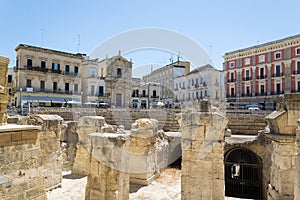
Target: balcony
{"x":261,"y":77}
{"x":196,"y":85}
{"x":247,"y":95}
{"x":154,"y":97}
{"x":35,"y":68}
{"x":70,"y":73}
{"x":231,"y":80}
{"x":204,"y":84}
{"x":277,"y":92}
{"x":261,"y":94}
{"x":296,"y":72}
{"x":58,"y":91}
{"x":295,"y":91}
{"x":247,"y":78}
{"x":230,"y":95}
{"x":277,"y":74}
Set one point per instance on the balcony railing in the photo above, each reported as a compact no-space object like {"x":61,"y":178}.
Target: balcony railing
{"x":295,"y":91}
{"x":247,"y":95}
{"x":261,"y":94}
{"x":277,"y":74}
{"x":196,"y":85}
{"x":231,"y":80}
{"x":230,"y":95}
{"x":247,"y":78}
{"x":277,"y":92}
{"x":44,"y":70}
{"x":261,"y":77}
{"x":154,"y":97}
{"x":296,"y":72}
{"x":204,"y":84}
{"x":16,"y":89}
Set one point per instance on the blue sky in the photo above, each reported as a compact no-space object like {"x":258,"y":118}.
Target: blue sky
{"x":217,"y":26}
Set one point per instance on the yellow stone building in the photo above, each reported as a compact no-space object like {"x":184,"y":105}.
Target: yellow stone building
{"x":46,"y":77}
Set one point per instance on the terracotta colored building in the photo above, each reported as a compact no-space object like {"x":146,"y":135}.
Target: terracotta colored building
{"x":260,"y":73}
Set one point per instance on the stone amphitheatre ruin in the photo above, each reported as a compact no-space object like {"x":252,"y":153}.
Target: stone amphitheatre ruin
{"x":35,"y":149}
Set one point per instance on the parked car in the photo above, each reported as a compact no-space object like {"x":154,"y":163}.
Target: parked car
{"x":253,"y":108}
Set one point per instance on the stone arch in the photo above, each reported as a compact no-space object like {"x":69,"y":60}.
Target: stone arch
{"x":243,"y":173}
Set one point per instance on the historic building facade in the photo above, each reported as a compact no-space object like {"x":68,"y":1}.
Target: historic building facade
{"x":260,"y":73}
{"x":202,"y":82}
{"x":46,"y":77}
{"x":165,"y":77}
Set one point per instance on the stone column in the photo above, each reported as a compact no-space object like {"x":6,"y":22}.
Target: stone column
{"x":107,"y":177}
{"x":297,"y":163}
{"x":202,"y":154}
{"x":4,"y":97}
{"x":142,"y":150}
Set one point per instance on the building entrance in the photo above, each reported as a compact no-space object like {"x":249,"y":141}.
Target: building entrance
{"x":243,"y":174}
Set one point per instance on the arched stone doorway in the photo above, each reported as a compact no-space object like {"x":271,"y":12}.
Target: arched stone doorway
{"x":243,"y":174}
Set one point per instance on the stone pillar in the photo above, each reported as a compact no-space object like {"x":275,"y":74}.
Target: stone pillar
{"x":85,"y":126}
{"x":297,"y":163}
{"x":142,"y":150}
{"x":4,"y":97}
{"x":51,"y":156}
{"x":202,"y":165}
{"x":107,"y":177}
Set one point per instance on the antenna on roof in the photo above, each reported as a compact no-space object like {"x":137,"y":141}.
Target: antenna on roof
{"x":171,"y":59}
{"x":78,"y":43}
{"x":178,"y":57}
{"x":42,"y":30}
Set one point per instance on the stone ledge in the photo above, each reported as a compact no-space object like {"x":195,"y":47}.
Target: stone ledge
{"x":9,"y":128}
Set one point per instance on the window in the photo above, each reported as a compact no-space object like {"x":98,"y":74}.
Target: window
{"x":75,"y":70}
{"x":154,"y":93}
{"x":176,"y":87}
{"x":205,"y":93}
{"x":231,"y":64}
{"x":231,"y":75}
{"x":192,"y":82}
{"x":67,"y":87}
{"x":43,"y":64}
{"x":9,"y":78}
{"x":28,"y":82}
{"x":298,"y":51}
{"x":261,"y":58}
{"x":277,"y":55}
{"x":92,"y":90}
{"x":298,"y":67}
{"x":29,"y":63}
{"x":67,"y":67}
{"x":55,"y":66}
{"x":42,"y":85}
{"x":247,"y":61}
{"x":101,"y":91}
{"x":232,"y":91}
{"x":196,"y":81}
{"x":144,"y":93}
{"x":55,"y":86}
{"x":278,"y":87}
{"x":75,"y":87}
{"x":92,"y":74}
{"x":262,"y":72}
{"x":277,"y":69}
{"x":119,"y":72}
{"x":247,"y":73}
{"x":247,"y":90}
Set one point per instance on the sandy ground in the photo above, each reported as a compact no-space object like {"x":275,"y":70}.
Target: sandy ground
{"x":166,"y":187}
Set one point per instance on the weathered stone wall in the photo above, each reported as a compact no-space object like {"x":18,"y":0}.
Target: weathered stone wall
{"x":21,"y":169}
{"x":297,"y":163}
{"x":107,"y":176}
{"x":4,"y":97}
{"x":85,"y":126}
{"x":202,"y":155}
{"x":69,"y":140}
{"x":282,"y":124}
{"x":51,"y":156}
{"x":147,"y":151}
{"x":126,"y":117}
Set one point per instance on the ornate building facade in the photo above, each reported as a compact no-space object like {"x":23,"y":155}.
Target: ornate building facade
{"x":260,"y":73}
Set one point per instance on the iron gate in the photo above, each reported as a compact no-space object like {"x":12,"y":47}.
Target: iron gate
{"x":243,"y":174}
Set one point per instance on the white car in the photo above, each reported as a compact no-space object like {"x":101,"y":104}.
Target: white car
{"x":253,"y":108}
